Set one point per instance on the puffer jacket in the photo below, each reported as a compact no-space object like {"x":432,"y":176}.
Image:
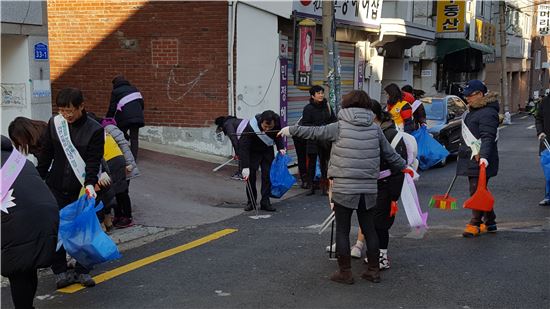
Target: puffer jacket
{"x":542,"y":121}
{"x":132,"y":113}
{"x":482,"y":120}
{"x":29,"y":229}
{"x":124,"y":146}
{"x":357,"y":147}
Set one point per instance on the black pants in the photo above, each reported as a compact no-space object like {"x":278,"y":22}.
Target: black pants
{"x":133,"y":138}
{"x":263,"y":161}
{"x":123,"y":204}
{"x":366,"y":222}
{"x":59,"y":264}
{"x":389,"y":189}
{"x":478,"y":216}
{"x":301,"y":154}
{"x":324,"y":155}
{"x":23,"y":288}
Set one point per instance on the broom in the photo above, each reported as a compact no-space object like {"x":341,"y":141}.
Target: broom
{"x":444,"y":201}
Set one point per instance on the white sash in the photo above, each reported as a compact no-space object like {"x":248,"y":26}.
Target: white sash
{"x":127,"y":99}
{"x":470,"y":139}
{"x":9,"y":172}
{"x":241,"y":128}
{"x":266,"y":139}
{"x":74,"y":158}
{"x":415,"y":105}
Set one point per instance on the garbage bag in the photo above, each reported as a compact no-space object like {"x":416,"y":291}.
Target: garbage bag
{"x":81,"y":235}
{"x":317,"y":170}
{"x":281,"y":179}
{"x":545,"y":163}
{"x":430,"y":151}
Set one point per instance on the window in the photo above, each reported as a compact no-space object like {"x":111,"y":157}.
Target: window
{"x":455,"y":106}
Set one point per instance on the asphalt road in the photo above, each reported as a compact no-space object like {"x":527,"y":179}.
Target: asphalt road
{"x":280,"y":262}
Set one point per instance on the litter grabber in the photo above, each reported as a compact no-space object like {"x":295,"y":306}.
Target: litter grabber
{"x":444,"y":201}
{"x":222,"y":165}
{"x":482,"y":200}
{"x":254,"y":204}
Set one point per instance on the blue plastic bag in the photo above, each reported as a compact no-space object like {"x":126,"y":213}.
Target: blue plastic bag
{"x":281,"y":179}
{"x":545,"y":164}
{"x":81,"y":235}
{"x":430,"y":151}
{"x":317,"y":170}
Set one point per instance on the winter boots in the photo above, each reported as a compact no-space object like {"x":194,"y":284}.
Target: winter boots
{"x":373,"y":268}
{"x":343,"y":275}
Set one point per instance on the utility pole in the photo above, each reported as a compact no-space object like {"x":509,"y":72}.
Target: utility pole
{"x":328,"y":47}
{"x":504,"y":78}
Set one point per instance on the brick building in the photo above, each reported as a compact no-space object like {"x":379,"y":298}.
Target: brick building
{"x":174,"y":52}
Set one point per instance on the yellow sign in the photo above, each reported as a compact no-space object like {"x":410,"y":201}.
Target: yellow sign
{"x":451,"y":16}
{"x":485,"y":33}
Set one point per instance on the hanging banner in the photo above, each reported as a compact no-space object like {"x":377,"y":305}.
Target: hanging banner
{"x":451,"y":16}
{"x":543,"y":19}
{"x":283,"y":90}
{"x":306,"y":50}
{"x":365,"y":13}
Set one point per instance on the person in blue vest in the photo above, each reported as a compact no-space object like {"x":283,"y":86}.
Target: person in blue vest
{"x":126,"y":107}
{"x":256,"y":151}
{"x":232,"y":127}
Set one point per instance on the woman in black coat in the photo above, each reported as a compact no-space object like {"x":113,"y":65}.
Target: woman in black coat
{"x":29,"y":231}
{"x":317,"y":113}
{"x":482,"y":120}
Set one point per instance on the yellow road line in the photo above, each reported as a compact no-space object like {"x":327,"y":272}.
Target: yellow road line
{"x":148,"y":260}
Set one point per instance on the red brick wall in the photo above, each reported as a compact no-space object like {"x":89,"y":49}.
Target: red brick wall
{"x":174,"y":52}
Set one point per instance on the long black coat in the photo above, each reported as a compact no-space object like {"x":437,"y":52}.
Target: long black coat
{"x":132,"y":113}
{"x":29,"y":229}
{"x":483,"y":121}
{"x":542,"y":120}
{"x":250,"y":143}
{"x":317,"y":114}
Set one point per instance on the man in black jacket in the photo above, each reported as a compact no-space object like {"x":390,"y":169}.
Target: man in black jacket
{"x":482,"y":121}
{"x":317,"y":113}
{"x":232,"y":127}
{"x":256,"y":151}
{"x":542,"y":122}
{"x":87,"y":136}
{"x":127,"y":108}
{"x":29,"y":231}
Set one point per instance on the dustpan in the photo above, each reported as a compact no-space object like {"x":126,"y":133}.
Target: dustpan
{"x":482,"y":200}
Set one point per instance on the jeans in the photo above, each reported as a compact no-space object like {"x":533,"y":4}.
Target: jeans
{"x":23,"y":288}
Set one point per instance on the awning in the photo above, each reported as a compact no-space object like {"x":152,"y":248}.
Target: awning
{"x":449,"y":46}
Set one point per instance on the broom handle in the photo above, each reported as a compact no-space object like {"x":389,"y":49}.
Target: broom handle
{"x":450,"y":187}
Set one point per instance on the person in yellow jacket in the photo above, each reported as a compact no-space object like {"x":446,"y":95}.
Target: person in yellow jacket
{"x":400,"y":110}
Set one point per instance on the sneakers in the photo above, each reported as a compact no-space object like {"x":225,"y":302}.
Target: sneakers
{"x":124,"y":222}
{"x":331,"y":248}
{"x":491,"y":228}
{"x":237,"y":176}
{"x":86,"y":280}
{"x":383,"y":259}
{"x":471,"y":231}
{"x":63,"y":280}
{"x":266,"y":206}
{"x":357,"y":250}
{"x":544,"y":202}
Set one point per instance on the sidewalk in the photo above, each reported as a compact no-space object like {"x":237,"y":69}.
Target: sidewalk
{"x":175,"y":193}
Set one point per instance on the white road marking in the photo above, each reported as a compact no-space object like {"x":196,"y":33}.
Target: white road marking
{"x":531,"y":127}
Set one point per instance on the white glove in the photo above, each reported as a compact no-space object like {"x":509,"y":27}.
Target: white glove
{"x":484,"y":161}
{"x":283,"y":151}
{"x":542,"y":135}
{"x":90,"y":192}
{"x":284,"y":132}
{"x":245,"y":173}
{"x":104,"y":180}
{"x":129,"y":168}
